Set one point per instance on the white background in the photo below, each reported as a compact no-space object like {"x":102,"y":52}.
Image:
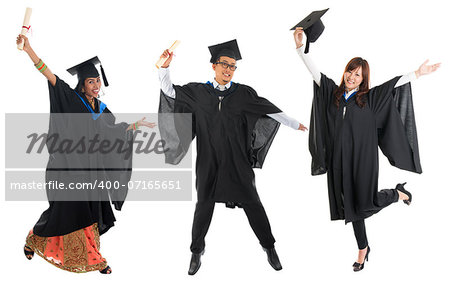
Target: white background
{"x":151,"y":239}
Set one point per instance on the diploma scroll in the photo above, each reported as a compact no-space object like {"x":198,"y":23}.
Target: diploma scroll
{"x":161,"y":61}
{"x":25,"y":26}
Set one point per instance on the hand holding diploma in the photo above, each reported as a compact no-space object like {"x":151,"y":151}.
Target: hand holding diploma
{"x":25,"y":27}
{"x":167,"y":55}
{"x":23,"y":42}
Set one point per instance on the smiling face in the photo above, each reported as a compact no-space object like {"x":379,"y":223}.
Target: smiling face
{"x":92,"y":87}
{"x":223,"y":73}
{"x":353,"y":78}
{"x":356,"y":75}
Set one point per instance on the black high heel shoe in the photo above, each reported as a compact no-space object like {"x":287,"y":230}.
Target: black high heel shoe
{"x":403,"y":190}
{"x":107,"y":270}
{"x":29,"y":253}
{"x":360,"y":266}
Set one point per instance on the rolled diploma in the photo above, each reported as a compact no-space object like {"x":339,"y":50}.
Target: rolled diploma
{"x":161,"y":61}
{"x":26,"y":23}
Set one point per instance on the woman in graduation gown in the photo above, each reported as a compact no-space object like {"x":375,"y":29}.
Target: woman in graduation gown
{"x":67,"y":233}
{"x":348,"y":123}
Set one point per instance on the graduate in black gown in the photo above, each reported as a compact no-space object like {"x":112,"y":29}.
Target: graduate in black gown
{"x":349,"y":122}
{"x":234,"y":129}
{"x":67,"y":233}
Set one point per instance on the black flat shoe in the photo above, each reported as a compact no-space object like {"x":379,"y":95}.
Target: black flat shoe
{"x":403,"y":190}
{"x":107,"y":270}
{"x":29,"y":253}
{"x":360,"y":266}
{"x":273,"y":259}
{"x":195,"y":263}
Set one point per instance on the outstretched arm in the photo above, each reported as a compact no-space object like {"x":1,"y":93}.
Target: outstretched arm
{"x":35,"y":59}
{"x":139,"y":123}
{"x":164,"y":75}
{"x":288,"y":121}
{"x":424,"y":69}
{"x":298,"y":37}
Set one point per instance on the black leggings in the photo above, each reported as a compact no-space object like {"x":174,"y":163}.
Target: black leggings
{"x":360,"y":233}
{"x":385,"y":197}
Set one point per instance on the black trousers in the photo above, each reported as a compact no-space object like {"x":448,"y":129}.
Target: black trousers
{"x":385,"y":197}
{"x":256,"y":215}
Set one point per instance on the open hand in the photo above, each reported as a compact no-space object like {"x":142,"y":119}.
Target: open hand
{"x":302,"y":127}
{"x":142,"y":122}
{"x":426,"y":69}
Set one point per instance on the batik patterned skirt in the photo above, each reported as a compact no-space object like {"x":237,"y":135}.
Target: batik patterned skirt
{"x":78,"y":251}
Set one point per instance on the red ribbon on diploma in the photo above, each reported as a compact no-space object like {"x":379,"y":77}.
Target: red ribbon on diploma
{"x":28,"y":28}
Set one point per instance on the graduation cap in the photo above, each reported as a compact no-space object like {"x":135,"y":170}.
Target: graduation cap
{"x":229,"y":49}
{"x":313,"y":27}
{"x":87,"y":69}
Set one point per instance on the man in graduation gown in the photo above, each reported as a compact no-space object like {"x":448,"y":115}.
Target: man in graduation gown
{"x":234,"y":128}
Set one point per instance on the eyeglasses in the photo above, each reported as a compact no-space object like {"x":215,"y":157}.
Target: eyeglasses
{"x":225,"y":66}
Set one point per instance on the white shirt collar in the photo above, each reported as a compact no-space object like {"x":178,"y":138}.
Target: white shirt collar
{"x":347,"y":94}
{"x":221,"y":87}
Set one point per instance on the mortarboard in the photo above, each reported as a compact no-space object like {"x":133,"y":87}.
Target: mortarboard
{"x":87,"y":69}
{"x":313,"y":27}
{"x":229,"y":49}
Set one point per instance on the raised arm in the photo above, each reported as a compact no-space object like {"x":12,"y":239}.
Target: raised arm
{"x":36,"y":60}
{"x":298,"y":37}
{"x":164,"y":75}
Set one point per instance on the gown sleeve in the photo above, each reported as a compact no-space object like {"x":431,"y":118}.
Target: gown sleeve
{"x":397,"y":133}
{"x":117,"y":164}
{"x":321,"y":127}
{"x":176,"y":122}
{"x":63,"y":99}
{"x":265,"y":127}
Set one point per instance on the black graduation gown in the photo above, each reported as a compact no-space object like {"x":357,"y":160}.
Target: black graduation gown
{"x":233,"y":136}
{"x":63,"y":217}
{"x":346,"y":145}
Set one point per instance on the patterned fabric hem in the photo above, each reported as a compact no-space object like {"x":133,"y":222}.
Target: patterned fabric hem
{"x":42,"y":245}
